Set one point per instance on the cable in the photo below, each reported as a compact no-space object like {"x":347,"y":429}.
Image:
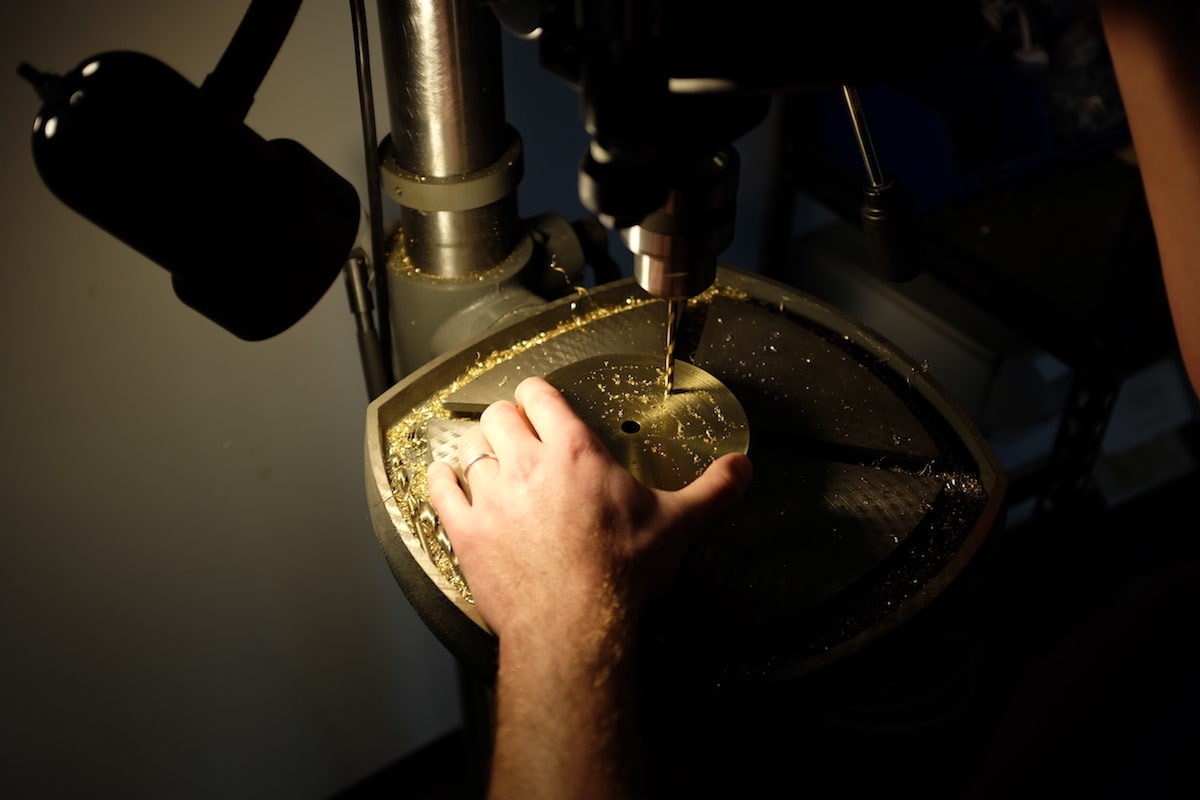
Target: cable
{"x":250,"y":53}
{"x":366,"y":105}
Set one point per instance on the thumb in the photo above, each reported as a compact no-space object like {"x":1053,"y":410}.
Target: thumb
{"x":715,"y":492}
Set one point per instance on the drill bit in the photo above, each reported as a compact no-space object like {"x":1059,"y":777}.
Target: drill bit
{"x":672,"y":332}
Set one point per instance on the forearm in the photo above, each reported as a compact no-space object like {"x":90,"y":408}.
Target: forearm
{"x":1153,"y":49}
{"x":565,"y":718}
{"x":560,"y":575}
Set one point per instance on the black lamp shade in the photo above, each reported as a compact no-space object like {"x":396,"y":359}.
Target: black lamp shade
{"x":252,"y":231}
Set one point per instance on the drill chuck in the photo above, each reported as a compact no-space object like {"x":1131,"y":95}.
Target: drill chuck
{"x":675,"y":248}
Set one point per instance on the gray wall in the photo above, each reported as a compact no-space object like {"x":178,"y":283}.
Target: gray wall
{"x":192,"y":602}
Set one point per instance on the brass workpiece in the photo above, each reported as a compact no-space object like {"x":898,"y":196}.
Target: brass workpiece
{"x":666,"y":442}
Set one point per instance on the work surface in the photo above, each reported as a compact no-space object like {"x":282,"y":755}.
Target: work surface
{"x":1067,"y":675}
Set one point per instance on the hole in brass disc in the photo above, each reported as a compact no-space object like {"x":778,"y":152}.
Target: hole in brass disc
{"x":666,"y":442}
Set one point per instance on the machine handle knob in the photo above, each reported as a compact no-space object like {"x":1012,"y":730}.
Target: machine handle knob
{"x":887,"y":212}
{"x":888,"y":221}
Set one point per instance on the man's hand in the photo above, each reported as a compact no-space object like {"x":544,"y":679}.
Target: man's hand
{"x":562,"y":547}
{"x":556,"y":531}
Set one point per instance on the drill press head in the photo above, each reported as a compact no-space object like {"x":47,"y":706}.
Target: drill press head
{"x":666,"y":87}
{"x":661,"y":169}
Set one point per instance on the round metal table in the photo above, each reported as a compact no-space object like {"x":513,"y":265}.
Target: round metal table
{"x":872,"y":489}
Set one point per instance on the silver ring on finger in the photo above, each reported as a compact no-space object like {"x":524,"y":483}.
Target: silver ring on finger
{"x":473,"y":460}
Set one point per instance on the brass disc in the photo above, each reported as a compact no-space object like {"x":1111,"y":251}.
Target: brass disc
{"x":666,"y":441}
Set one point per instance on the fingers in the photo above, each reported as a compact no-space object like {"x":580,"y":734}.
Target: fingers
{"x":473,"y":450}
{"x":506,"y":428}
{"x":714,"y":493}
{"x":546,"y":408}
{"x":472,"y":442}
{"x":446,"y":495}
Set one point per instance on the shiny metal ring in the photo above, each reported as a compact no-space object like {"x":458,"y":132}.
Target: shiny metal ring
{"x":475,"y":459}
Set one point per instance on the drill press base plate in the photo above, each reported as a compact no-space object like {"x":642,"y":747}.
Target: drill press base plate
{"x":872,"y":490}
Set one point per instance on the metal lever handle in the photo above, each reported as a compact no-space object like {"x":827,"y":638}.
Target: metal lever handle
{"x":887,"y":211}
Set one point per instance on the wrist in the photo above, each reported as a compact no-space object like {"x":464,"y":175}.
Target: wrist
{"x":592,"y":621}
{"x":572,"y":645}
